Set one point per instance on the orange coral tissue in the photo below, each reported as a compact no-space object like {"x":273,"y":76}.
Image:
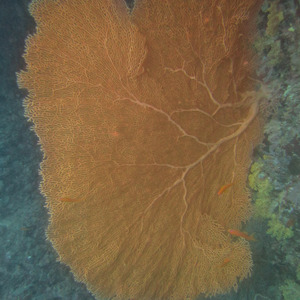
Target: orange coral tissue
{"x":143,"y":115}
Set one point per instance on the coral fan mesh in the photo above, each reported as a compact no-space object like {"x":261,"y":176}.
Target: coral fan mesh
{"x":142,"y":117}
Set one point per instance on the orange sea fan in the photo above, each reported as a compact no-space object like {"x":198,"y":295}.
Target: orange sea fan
{"x":143,"y":117}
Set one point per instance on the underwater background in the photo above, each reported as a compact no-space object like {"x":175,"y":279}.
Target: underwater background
{"x":28,"y":264}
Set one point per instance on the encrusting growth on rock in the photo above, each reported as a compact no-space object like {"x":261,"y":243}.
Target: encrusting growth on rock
{"x":143,"y":116}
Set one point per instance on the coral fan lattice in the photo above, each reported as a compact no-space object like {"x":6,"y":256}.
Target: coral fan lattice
{"x":141,"y":119}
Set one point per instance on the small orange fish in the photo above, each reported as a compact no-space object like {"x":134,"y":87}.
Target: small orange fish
{"x":24,"y":228}
{"x":224,"y":188}
{"x":69,"y":200}
{"x":225,"y":262}
{"x":206,"y":20}
{"x":241,"y":234}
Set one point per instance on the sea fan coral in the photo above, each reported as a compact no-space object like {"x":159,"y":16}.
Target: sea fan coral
{"x":142,"y":118}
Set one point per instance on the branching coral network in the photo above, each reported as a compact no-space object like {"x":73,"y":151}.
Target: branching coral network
{"x":142,"y":118}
